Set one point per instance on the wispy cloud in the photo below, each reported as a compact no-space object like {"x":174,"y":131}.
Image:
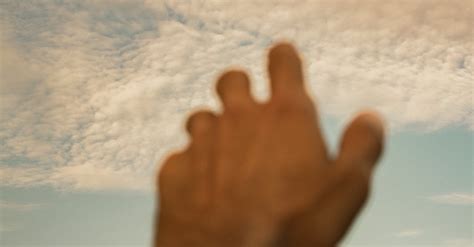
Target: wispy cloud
{"x":95,"y":93}
{"x":8,"y":228}
{"x":459,"y":242}
{"x":455,"y":198}
{"x":80,"y":177}
{"x":8,"y":205}
{"x":409,"y":233}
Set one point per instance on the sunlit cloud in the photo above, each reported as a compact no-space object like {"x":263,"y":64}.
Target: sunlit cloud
{"x":94,"y":94}
{"x":409,"y":233}
{"x":459,"y":242}
{"x":455,"y":198}
{"x":9,"y":205}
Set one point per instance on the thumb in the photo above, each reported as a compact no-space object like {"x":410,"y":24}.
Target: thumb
{"x":362,"y":143}
{"x":327,"y":222}
{"x":361,"y":147}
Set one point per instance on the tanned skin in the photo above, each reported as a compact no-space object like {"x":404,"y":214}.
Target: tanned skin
{"x":259,"y":174}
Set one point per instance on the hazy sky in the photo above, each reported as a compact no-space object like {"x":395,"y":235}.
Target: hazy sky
{"x":94,"y":93}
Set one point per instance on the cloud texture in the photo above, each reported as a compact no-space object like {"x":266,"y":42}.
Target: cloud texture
{"x":94,"y":93}
{"x":8,"y":205}
{"x":411,"y":233}
{"x":454,"y":199}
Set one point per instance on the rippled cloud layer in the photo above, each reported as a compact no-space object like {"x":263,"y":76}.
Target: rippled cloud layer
{"x":93,"y":94}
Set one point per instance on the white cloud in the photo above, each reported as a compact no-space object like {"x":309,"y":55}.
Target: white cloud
{"x":455,"y":198}
{"x":96,"y":93}
{"x":409,"y":233}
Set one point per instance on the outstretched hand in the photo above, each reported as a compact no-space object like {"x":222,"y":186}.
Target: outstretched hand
{"x":259,"y":173}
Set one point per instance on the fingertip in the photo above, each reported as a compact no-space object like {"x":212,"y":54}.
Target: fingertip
{"x":282,"y":48}
{"x":285,"y":69}
{"x":373,"y":121}
{"x":200,"y":122}
{"x":363,"y":140}
{"x":231,"y":82}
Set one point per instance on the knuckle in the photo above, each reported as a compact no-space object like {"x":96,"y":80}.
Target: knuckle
{"x":238,"y":107}
{"x":292,"y":106}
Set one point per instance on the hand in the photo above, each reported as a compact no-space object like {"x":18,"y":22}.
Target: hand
{"x":259,"y":174}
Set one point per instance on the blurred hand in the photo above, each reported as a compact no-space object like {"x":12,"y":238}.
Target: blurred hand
{"x":259,"y":174}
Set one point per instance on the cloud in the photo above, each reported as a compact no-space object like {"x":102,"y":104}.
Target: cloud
{"x":459,"y":242}
{"x":455,"y":198}
{"x":90,"y":177}
{"x":17,"y":76}
{"x":8,"y":228}
{"x":94,"y":94}
{"x":8,"y":205}
{"x":409,"y":233}
{"x":85,"y":177}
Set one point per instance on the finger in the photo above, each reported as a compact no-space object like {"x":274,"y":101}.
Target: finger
{"x":199,"y":124}
{"x":173,"y":178}
{"x":362,"y":142}
{"x":233,"y":88}
{"x":201,"y":127}
{"x":285,"y":70}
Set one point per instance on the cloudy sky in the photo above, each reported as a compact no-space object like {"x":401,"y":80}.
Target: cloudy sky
{"x":94,"y":93}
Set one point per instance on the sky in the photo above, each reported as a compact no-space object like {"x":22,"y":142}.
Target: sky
{"x":94,"y":94}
